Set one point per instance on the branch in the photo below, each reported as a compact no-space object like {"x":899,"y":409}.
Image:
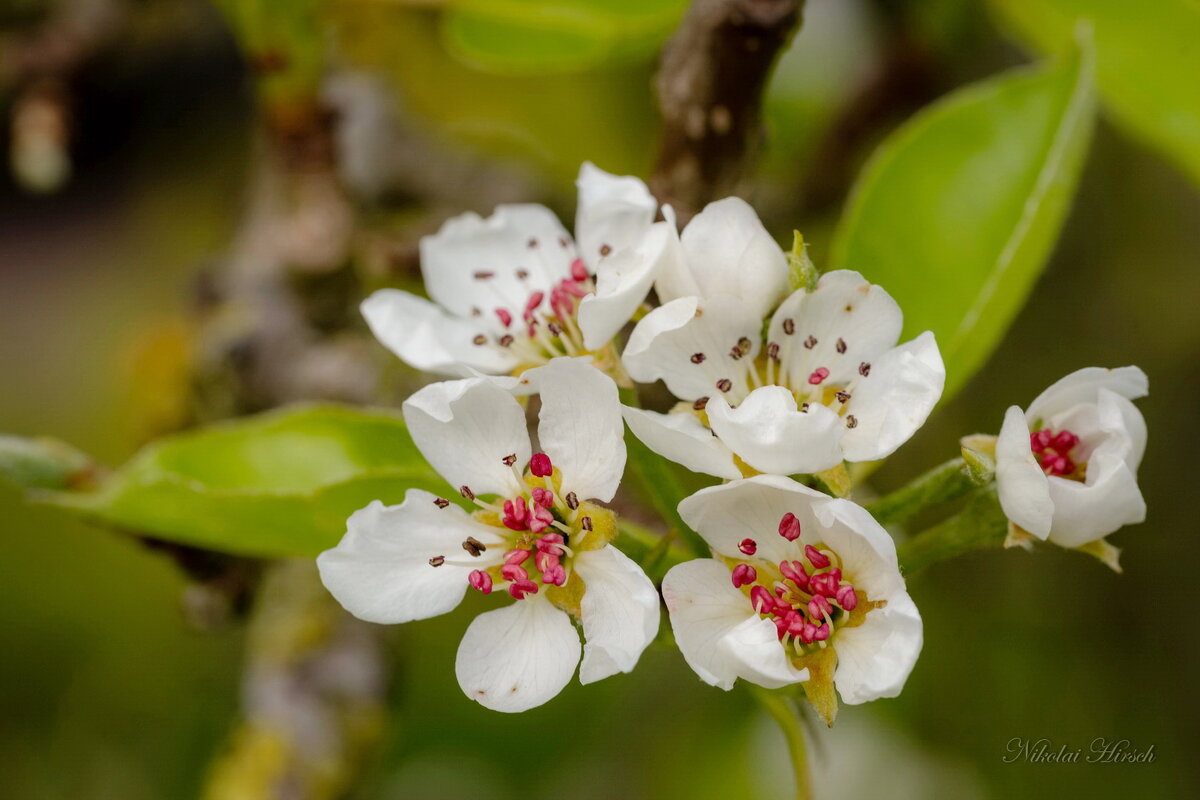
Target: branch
{"x":710,"y":88}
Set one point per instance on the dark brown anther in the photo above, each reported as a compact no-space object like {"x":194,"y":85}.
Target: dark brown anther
{"x":724,"y":384}
{"x":864,"y":369}
{"x":476,"y":311}
{"x":509,"y":459}
{"x":735,"y":354}
{"x":466,"y":492}
{"x":700,"y":404}
{"x":843,"y":397}
{"x":506,"y":340}
{"x":441,"y":502}
{"x":532,"y":243}
{"x":473,"y":546}
{"x":804,"y":408}
{"x":810,"y":342}
{"x":479,"y":339}
{"x":773,"y":351}
{"x":522,"y":274}
{"x":562,"y":241}
{"x":789,"y":326}
{"x":572,"y":500}
{"x":744,"y":344}
{"x":604,"y":250}
{"x":585,"y":523}
{"x":483,"y":275}
{"x":437,"y":561}
{"x":841,"y":345}
{"x":555,"y":329}
{"x":851,"y":421}
{"x":698,"y":358}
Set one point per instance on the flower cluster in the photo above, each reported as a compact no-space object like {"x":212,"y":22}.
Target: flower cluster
{"x":776,"y":385}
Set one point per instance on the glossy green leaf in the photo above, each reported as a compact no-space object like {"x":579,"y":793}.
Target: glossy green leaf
{"x":1147,"y":62}
{"x":959,"y":209}
{"x":276,"y":484}
{"x":533,"y":37}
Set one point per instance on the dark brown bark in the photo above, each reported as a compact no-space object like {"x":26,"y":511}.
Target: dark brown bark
{"x":710,"y":87}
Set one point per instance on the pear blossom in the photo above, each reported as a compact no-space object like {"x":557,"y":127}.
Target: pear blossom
{"x":801,"y":587}
{"x":515,"y":290}
{"x":1066,"y":467}
{"x":538,"y":533}
{"x":826,"y":383}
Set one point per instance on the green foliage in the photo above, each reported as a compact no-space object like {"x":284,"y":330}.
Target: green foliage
{"x":1147,"y":62}
{"x":958,"y":210}
{"x":41,"y":463}
{"x":284,"y":42}
{"x":276,"y":484}
{"x":536,"y":37}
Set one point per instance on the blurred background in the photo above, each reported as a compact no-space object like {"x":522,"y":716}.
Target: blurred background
{"x":160,"y":152}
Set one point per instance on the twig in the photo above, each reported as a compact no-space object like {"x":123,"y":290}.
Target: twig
{"x":710,"y":87}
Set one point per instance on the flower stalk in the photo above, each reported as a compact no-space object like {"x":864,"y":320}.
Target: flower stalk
{"x":980,"y":524}
{"x":789,"y":716}
{"x":945,"y":482}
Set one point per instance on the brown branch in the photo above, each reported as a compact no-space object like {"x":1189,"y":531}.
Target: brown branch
{"x":710,"y":87}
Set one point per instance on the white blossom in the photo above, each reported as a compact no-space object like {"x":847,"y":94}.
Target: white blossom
{"x":538,"y":532}
{"x":1066,"y":468}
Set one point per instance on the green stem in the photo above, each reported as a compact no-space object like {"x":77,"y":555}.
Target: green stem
{"x":980,"y":524}
{"x":787,"y":715}
{"x":656,"y":478}
{"x":939,"y":485}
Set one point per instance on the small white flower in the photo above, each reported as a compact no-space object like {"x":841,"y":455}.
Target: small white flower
{"x":803,"y":587}
{"x":514,"y":290}
{"x":827,"y":383}
{"x":1066,"y":468}
{"x":540,"y":538}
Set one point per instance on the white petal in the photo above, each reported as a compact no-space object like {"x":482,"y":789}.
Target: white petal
{"x":867,"y":550}
{"x":517,"y":657}
{"x":1021,"y":484}
{"x":579,"y":426}
{"x":751,"y":509}
{"x":875,"y":658}
{"x":1083,"y":386}
{"x":844,"y":311}
{"x":895,"y":399}
{"x":620,"y":612}
{"x":1124,"y":427}
{"x":728,"y":251}
{"x":682,"y":438}
{"x":380,"y":571}
{"x":474,"y":264}
{"x":622,"y":282}
{"x":717,"y":631}
{"x":688,"y":343}
{"x":427,"y":338}
{"x":770,"y":434}
{"x":1085,"y":512}
{"x":613,"y":211}
{"x":465,"y":429}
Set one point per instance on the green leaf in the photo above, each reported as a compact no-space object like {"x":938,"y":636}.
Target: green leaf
{"x":958,"y":210}
{"x":277,"y":484}
{"x":533,"y":37}
{"x":1147,"y":62}
{"x":42,"y":463}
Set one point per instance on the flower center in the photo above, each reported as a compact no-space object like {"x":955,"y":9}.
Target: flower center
{"x":808,"y":599}
{"x":1053,"y":453}
{"x":546,"y":326}
{"x":540,"y":530}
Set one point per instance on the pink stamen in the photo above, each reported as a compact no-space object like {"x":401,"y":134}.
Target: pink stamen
{"x":822,"y":632}
{"x":795,"y":573}
{"x":550,"y":543}
{"x":818,"y":607}
{"x":514,"y":573}
{"x":556,"y":575}
{"x":789,"y":527}
{"x":561,"y":303}
{"x":824,"y":583}
{"x":744,"y":575}
{"x":816,"y":557}
{"x":540,"y":465}
{"x":761,"y":599}
{"x":517,"y":556}
{"x":748,"y":546}
{"x":535,"y":300}
{"x":544,"y":560}
{"x":515,"y":514}
{"x":540,"y":519}
{"x":808,"y":633}
{"x":1053,"y":451}
{"x":543,"y":497}
{"x":521,"y":588}
{"x":819,"y":374}
{"x":572,"y":288}
{"x":846,"y":598}
{"x":505,"y":317}
{"x":579,"y":270}
{"x":481,"y":580}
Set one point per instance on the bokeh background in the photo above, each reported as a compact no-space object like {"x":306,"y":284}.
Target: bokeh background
{"x":107,"y":691}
